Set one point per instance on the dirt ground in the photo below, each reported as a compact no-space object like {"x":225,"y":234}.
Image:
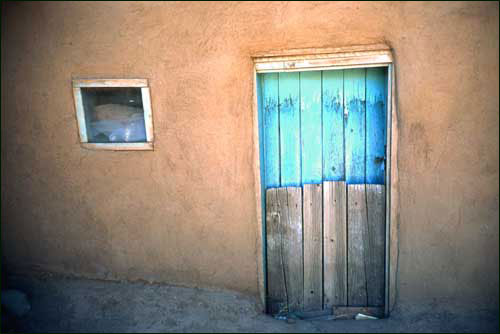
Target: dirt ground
{"x":62,"y":304}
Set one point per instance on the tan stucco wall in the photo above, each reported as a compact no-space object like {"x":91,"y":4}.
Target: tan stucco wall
{"x":185,"y":213}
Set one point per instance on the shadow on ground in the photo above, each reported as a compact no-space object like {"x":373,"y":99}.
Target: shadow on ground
{"x":77,"y":305}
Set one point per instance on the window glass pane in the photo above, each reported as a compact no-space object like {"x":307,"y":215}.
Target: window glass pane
{"x":114,"y":114}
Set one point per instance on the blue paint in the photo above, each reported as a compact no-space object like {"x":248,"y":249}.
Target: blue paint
{"x":355,"y":134}
{"x":322,"y":125}
{"x":376,"y":106}
{"x":333,"y":125}
{"x":311,"y":124}
{"x":271,"y":129}
{"x":289,"y":118}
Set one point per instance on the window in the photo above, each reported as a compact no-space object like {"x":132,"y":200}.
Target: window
{"x":114,"y":114}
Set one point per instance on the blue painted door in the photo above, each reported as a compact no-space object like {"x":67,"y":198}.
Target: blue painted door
{"x":320,"y":126}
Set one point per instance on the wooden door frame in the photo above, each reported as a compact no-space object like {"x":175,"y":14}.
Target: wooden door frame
{"x":315,"y":59}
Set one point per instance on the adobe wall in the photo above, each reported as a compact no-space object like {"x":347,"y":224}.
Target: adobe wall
{"x":185,"y":213}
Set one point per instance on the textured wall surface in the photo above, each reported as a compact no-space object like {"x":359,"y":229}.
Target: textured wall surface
{"x":185,"y":213}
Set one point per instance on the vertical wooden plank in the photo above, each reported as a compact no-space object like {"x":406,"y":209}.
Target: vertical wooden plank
{"x":80,"y":115}
{"x":392,"y":194}
{"x":333,"y":125}
{"x":290,"y":203}
{"x":271,"y":129}
{"x":148,"y":114}
{"x":311,"y":124}
{"x":260,"y":194}
{"x":366,"y":244}
{"x":313,"y":247}
{"x":335,"y":244}
{"x":375,"y":252}
{"x":276,"y":293}
{"x":357,"y":242}
{"x":376,"y":106}
{"x":289,"y":128}
{"x":260,"y":159}
{"x":354,"y":107}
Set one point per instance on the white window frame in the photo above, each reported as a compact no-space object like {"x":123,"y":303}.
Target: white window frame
{"x":316,"y":59}
{"x":78,"y":84}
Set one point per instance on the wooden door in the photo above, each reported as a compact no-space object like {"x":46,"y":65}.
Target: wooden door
{"x":322,"y":148}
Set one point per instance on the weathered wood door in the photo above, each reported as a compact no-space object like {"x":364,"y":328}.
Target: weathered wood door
{"x":323,"y":149}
